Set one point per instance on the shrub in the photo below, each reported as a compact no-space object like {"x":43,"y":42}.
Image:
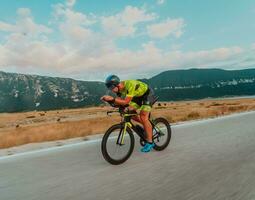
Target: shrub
{"x":193,"y":115}
{"x":159,"y":107}
{"x":32,"y":116}
{"x":217,"y":104}
{"x":236,"y":108}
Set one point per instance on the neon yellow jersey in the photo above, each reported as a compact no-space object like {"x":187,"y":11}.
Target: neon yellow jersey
{"x":134,"y":88}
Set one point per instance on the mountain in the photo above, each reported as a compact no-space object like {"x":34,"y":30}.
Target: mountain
{"x":202,"y":83}
{"x":19,"y":92}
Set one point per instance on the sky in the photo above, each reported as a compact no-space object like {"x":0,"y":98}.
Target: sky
{"x":88,"y":40}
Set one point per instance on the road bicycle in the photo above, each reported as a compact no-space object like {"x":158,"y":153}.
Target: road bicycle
{"x":118,"y":141}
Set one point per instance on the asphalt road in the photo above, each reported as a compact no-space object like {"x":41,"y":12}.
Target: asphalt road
{"x":212,"y":159}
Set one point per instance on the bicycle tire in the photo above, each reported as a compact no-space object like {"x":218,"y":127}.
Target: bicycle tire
{"x":158,"y":147}
{"x":106,"y":155}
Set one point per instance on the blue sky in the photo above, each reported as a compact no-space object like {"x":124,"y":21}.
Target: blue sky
{"x":89,"y":39}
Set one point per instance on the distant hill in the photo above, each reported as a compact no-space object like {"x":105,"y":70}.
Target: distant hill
{"x":202,"y":83}
{"x":20,"y":92}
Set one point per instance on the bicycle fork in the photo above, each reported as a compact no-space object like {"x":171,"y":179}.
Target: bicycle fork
{"x":121,"y":136}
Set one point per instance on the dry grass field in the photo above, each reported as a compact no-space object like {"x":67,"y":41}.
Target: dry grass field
{"x":40,"y":126}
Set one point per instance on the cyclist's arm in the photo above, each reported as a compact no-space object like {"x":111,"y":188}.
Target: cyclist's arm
{"x":120,"y":101}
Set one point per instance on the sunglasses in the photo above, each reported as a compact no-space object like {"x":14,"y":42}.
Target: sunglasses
{"x":110,"y":86}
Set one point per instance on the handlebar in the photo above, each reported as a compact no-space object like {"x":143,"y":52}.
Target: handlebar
{"x":121,"y":109}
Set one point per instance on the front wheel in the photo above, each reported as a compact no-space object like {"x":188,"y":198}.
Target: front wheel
{"x":161,"y":133}
{"x":117,"y":147}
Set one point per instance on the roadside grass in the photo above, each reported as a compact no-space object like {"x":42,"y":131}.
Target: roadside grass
{"x":56,"y":131}
{"x":32,"y":127}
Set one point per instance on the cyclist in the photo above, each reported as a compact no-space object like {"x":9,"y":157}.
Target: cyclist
{"x":139,"y":96}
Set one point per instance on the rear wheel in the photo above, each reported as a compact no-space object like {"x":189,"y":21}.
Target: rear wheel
{"x":112,"y":149}
{"x":161,"y":133}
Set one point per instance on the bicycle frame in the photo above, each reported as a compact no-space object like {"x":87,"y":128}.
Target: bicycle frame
{"x":128,"y":124}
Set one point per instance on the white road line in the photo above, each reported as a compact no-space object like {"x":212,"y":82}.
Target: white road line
{"x":196,"y":122}
{"x":49,"y":149}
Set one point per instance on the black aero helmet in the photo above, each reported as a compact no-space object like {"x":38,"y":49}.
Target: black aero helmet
{"x":112,"y":81}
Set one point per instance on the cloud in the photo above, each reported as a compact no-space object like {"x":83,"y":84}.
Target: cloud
{"x":247,"y":60}
{"x":73,"y":26}
{"x":253,"y":46}
{"x":101,"y":55}
{"x":25,"y":25}
{"x":6,"y":27}
{"x":151,"y":58}
{"x":70,"y":3}
{"x":66,"y":14}
{"x":84,"y":52}
{"x":202,"y":58}
{"x":24,"y":12}
{"x":168,"y":27}
{"x":124,"y":23}
{"x":160,"y":2}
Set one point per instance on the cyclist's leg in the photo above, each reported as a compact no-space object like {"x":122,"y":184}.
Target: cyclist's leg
{"x":145,"y":113}
{"x":144,"y":116}
{"x":135,"y":106}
